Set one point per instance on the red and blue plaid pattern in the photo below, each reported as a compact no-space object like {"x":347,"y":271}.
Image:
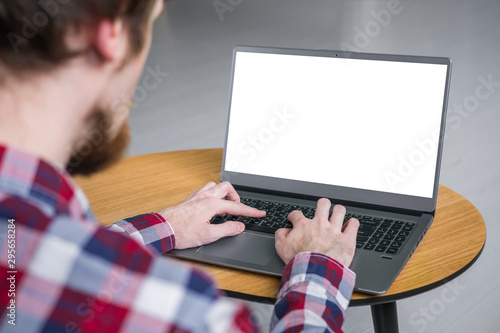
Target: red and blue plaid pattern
{"x":73,"y":276}
{"x":150,"y":229}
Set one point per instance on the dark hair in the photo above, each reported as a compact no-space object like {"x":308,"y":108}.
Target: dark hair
{"x":32,"y":31}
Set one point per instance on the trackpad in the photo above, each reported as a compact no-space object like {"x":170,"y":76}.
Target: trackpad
{"x":245,"y":247}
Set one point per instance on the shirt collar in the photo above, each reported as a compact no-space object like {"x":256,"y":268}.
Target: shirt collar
{"x":49,"y":187}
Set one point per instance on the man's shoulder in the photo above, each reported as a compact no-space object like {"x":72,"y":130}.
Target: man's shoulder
{"x":24,"y":212}
{"x":78,"y":262}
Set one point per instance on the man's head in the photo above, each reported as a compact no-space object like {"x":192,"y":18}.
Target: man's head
{"x":105,"y":42}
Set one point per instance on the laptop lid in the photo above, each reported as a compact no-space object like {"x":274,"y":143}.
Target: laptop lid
{"x":354,"y":127}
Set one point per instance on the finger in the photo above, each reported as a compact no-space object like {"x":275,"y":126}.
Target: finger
{"x":280,"y":243}
{"x":225,"y":190}
{"x":237,"y":208}
{"x":207,"y":186}
{"x":346,"y":223}
{"x":351,"y":230}
{"x":229,"y":228}
{"x":295,"y":216}
{"x":323,"y":208}
{"x":337,"y":218}
{"x":282,"y":233}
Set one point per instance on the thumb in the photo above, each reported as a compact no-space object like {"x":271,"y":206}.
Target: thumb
{"x":280,"y":244}
{"x":282,"y":233}
{"x":229,"y":228}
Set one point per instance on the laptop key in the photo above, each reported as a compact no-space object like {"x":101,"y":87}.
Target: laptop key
{"x":217,"y":220}
{"x":361,"y":239}
{"x":258,"y":205}
{"x":365,"y":232}
{"x":369,"y":246}
{"x":367,"y":227}
{"x":277,"y":219}
{"x":261,"y":228}
{"x":384,"y":242}
{"x":281,"y":214}
{"x":380,"y":248}
{"x":267,"y":224}
{"x":368,"y":222}
{"x":309,"y":215}
{"x":378,"y":235}
{"x":359,"y":245}
{"x":388,"y":237}
{"x":373,"y":240}
{"x":247,"y":201}
{"x":281,"y":209}
{"x":400,"y":239}
{"x":392,"y":250}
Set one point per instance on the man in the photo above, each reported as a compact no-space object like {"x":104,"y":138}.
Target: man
{"x":65,"y":67}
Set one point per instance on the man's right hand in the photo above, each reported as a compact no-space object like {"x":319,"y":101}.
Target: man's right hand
{"x":323,"y":235}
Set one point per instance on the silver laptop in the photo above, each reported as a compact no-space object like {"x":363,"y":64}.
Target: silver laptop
{"x":364,"y":130}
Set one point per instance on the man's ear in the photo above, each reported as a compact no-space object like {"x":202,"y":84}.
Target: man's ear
{"x":109,"y":40}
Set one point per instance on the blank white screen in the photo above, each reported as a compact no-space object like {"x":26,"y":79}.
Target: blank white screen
{"x":365,"y":124}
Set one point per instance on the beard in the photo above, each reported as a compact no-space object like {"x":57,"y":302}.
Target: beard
{"x":98,"y":150}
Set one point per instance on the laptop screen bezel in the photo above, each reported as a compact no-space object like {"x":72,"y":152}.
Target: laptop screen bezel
{"x":345,"y":194}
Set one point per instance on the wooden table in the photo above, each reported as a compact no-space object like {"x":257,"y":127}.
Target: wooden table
{"x":149,"y":183}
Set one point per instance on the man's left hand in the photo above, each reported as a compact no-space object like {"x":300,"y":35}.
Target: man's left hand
{"x":191,"y":219}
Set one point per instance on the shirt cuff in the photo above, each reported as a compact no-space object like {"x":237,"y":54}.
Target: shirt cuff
{"x":148,"y":229}
{"x":321,"y":270}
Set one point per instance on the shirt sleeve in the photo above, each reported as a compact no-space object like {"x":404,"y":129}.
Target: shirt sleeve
{"x":148,"y":229}
{"x":170,"y":297}
{"x":314,"y":293}
{"x":79,"y":277}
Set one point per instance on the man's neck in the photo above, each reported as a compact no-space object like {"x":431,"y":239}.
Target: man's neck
{"x":35,"y":117}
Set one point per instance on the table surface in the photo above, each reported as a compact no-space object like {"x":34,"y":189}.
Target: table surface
{"x":149,"y":183}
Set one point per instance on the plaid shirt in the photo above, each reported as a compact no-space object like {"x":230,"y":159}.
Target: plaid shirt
{"x":70,"y":275}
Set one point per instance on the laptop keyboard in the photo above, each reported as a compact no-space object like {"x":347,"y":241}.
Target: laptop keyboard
{"x":375,"y":233}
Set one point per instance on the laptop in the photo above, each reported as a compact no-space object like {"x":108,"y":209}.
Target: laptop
{"x":364,"y":130}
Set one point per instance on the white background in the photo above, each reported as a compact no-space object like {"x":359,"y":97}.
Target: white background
{"x":354,"y":120}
